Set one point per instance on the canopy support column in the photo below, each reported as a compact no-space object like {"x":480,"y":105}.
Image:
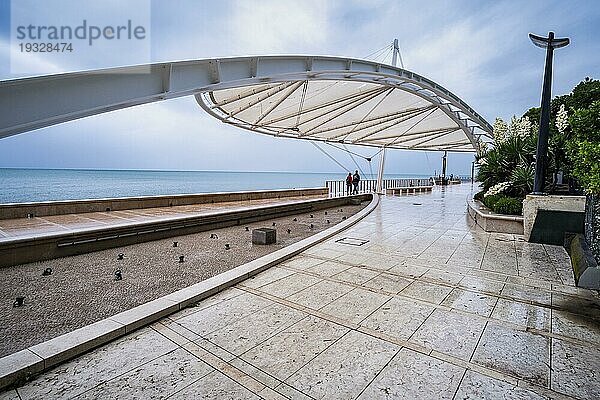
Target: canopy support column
{"x":379,"y":187}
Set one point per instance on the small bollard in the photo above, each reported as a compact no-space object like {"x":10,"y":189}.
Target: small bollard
{"x":118,"y":275}
{"x":227,"y":247}
{"x":327,"y":221}
{"x":174,"y":244}
{"x":120,"y":256}
{"x":295,"y":219}
{"x":214,"y":236}
{"x":19,"y":301}
{"x":311,"y":226}
{"x":325,"y":212}
{"x":344,"y":217}
{"x":30,"y":215}
{"x":289,"y":231}
{"x":181,"y":259}
{"x":47,"y":272}
{"x":273,"y":223}
{"x":312,"y":216}
{"x":247,"y":229}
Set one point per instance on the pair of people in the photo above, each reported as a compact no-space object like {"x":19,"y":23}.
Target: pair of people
{"x":352,"y":183}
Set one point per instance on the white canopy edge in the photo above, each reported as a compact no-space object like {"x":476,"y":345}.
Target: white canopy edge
{"x":31,"y":103}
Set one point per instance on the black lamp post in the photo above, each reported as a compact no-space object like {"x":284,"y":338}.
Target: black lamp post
{"x":549,"y":43}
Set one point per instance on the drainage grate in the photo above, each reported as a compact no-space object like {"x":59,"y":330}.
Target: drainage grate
{"x":352,"y":241}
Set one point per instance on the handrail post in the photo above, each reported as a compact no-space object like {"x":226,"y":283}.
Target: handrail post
{"x":380,"y":173}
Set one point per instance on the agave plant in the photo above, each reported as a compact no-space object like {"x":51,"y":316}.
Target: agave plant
{"x":511,"y":157}
{"x":522,"y":179}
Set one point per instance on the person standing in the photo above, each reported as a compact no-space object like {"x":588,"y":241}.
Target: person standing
{"x":349,"y":184}
{"x":355,"y":180}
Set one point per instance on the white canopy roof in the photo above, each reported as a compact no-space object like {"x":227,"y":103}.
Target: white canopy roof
{"x":373,"y":109}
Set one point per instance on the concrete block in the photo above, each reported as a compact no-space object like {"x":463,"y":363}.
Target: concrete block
{"x":264,"y":236}
{"x":72,"y":344}
{"x":19,"y":365}
{"x":146,"y":313}
{"x":532,"y":203}
{"x":193,"y":294}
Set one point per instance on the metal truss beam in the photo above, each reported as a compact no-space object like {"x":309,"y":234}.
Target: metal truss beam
{"x":32,"y":103}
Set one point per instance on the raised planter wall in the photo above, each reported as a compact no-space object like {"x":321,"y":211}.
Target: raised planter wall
{"x":490,"y":222}
{"x":44,"y":208}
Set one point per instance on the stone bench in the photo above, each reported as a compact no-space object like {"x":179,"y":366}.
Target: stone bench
{"x":408,"y":189}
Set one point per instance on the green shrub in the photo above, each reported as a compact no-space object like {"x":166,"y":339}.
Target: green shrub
{"x":584,"y":147}
{"x":508,"y":205}
{"x":490,"y":201}
{"x":479,"y":195}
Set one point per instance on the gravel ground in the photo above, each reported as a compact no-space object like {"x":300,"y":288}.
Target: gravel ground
{"x":82,"y":289}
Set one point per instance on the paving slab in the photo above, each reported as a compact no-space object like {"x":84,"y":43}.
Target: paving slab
{"x":355,"y":305}
{"x":523,"y":314}
{"x":426,"y":291}
{"x":477,"y":386}
{"x":215,"y":385}
{"x":243,"y":334}
{"x":450,"y":332}
{"x":320,"y":294}
{"x":412,"y":375}
{"x":160,"y":378}
{"x":345,"y":368}
{"x":576,"y":369}
{"x":289,"y":350}
{"x":518,"y":353}
{"x":399,"y":317}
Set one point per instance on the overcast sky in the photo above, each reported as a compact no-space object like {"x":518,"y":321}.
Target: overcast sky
{"x":477,"y":49}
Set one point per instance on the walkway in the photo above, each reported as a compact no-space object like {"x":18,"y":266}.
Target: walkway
{"x":11,"y":229}
{"x":427,"y":308}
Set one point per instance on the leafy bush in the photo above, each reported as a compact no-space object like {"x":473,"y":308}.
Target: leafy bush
{"x":584,"y":147}
{"x":490,"y":201}
{"x":508,"y":205}
{"x":513,"y":153}
{"x":501,"y":204}
{"x":479,"y":195}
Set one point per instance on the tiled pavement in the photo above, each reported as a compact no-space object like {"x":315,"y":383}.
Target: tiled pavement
{"x":429,"y":308}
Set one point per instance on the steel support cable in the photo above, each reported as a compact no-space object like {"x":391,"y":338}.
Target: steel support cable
{"x":347,"y":151}
{"x":377,"y":51}
{"x":301,"y":104}
{"x":355,"y":163}
{"x":371,"y":169}
{"x":329,"y":155}
{"x":389,"y":52}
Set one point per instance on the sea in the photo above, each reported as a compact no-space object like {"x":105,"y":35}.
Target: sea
{"x":31,"y":185}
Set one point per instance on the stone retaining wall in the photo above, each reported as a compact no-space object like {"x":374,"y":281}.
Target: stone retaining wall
{"x":45,"y":208}
{"x":45,"y":247}
{"x":491,"y":222}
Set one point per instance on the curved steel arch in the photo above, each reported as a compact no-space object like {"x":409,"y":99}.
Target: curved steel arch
{"x":32,"y":103}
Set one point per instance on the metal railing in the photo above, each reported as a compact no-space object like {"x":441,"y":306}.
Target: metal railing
{"x":338,"y":188}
